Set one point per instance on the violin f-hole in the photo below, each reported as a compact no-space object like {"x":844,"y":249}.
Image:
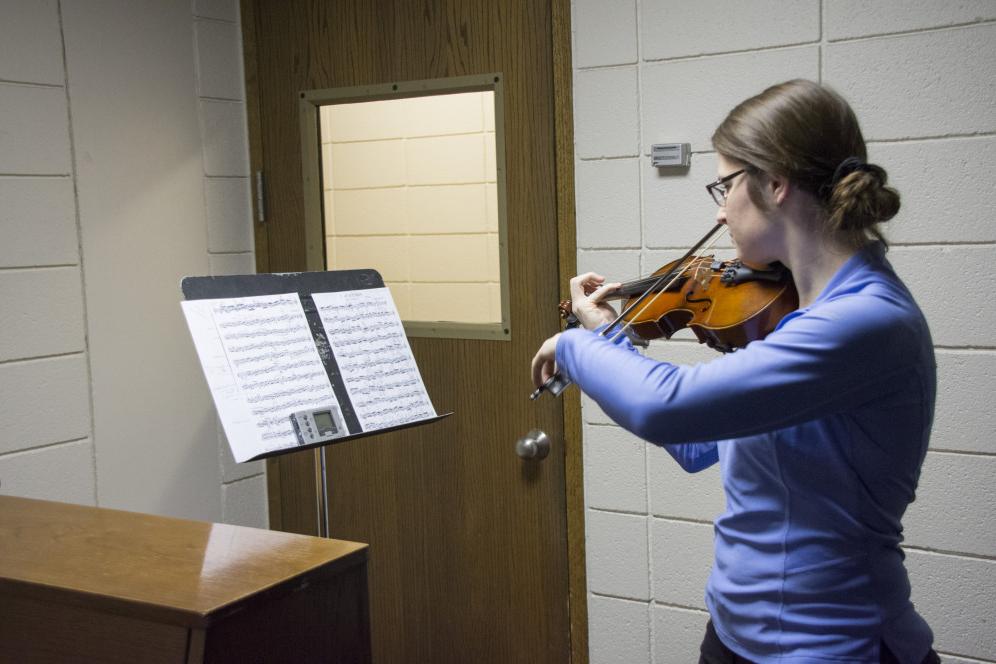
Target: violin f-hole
{"x":696,"y":300}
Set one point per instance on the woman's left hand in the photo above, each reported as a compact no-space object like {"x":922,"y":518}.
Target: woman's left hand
{"x":545,"y":361}
{"x":588,"y":292}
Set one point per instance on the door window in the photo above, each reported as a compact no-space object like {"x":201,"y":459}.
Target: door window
{"x":412,"y":187}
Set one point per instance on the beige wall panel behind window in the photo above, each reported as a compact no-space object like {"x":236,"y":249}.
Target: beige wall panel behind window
{"x":444,"y":114}
{"x":445,"y":159}
{"x":366,"y":121}
{"x":410,"y":189}
{"x":368,"y":164}
{"x":461,"y":208}
{"x":470,"y":303}
{"x":370,"y":211}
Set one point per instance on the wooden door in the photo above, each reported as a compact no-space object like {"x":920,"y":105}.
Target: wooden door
{"x":471,"y":554}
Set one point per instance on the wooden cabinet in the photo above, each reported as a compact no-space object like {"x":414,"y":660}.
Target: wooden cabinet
{"x":85,"y":584}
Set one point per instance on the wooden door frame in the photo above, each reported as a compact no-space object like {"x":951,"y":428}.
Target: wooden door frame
{"x":567,"y":268}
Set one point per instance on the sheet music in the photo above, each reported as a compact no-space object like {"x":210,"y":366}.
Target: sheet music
{"x":374,"y":358}
{"x":261,"y":364}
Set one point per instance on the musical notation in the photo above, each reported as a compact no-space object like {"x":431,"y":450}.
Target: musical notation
{"x":374,"y":358}
{"x":263,"y":362}
{"x":262,"y":365}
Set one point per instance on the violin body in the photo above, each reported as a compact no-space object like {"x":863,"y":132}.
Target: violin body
{"x":725,"y":303}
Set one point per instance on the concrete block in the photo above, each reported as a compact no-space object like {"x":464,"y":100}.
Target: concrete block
{"x":491,"y":202}
{"x":389,"y":254}
{"x":402,"y":296}
{"x":232,"y":471}
{"x":684,"y":101}
{"x":364,"y":121}
{"x":957,"y":317}
{"x":328,"y":182}
{"x":494,"y":260}
{"x":490,"y":157}
{"x":681,"y":29}
{"x":616,"y":551}
{"x":618,"y":631}
{"x":952,"y":659}
{"x":942,"y":201}
{"x":224,"y":132}
{"x":219,"y":60}
{"x":372,"y":211}
{"x":445,"y":159}
{"x":681,"y":351}
{"x":954,"y":506}
{"x":494,"y":300}
{"x":614,"y":265}
{"x":677,"y":210}
{"x":677,"y":634}
{"x":608,"y":204}
{"x":43,"y":402}
{"x":606,"y":122}
{"x":229,"y":214}
{"x":243,"y":503}
{"x":682,"y":557}
{"x":488,"y":110}
{"x":34,"y":130}
{"x":855,"y":18}
{"x":42,"y":312}
{"x":60,"y":472}
{"x":459,"y":208}
{"x":31,"y":42}
{"x":370,"y":164}
{"x":38,"y":217}
{"x":676,"y":493}
{"x":615,"y":470}
{"x":955,"y":596}
{"x":604,"y":33}
{"x":964,"y":419}
{"x":229,"y":264}
{"x":467,"y":303}
{"x":591,"y":413}
{"x":451,"y":258}
{"x":941,"y":76}
{"x":441,"y":114}
{"x":225,"y":10}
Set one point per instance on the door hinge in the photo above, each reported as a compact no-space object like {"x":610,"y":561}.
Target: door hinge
{"x":260,"y":198}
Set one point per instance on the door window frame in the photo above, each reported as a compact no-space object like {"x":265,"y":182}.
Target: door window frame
{"x":309,"y":106}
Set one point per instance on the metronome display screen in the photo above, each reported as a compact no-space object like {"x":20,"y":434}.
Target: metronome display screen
{"x":324,"y":423}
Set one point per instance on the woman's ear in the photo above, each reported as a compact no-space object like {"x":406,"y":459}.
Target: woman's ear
{"x":778,"y":188}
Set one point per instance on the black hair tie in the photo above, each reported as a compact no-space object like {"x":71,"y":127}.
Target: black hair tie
{"x":848,"y":166}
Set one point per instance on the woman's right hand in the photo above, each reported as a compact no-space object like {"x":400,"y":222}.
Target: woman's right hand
{"x":588,"y":291}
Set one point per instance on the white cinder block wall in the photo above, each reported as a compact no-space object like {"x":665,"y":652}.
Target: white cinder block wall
{"x":123,"y":167}
{"x":920,"y":75}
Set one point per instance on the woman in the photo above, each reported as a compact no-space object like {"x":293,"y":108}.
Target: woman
{"x":820,"y":429}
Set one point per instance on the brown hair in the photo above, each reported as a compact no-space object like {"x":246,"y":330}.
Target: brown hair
{"x":808,"y":133}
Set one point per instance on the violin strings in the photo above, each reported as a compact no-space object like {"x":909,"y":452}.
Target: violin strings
{"x":692,"y":260}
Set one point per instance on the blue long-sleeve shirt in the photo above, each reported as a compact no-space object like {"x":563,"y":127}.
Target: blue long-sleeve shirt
{"x":820,"y":430}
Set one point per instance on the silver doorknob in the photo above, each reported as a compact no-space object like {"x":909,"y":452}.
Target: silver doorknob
{"x":534,"y":445}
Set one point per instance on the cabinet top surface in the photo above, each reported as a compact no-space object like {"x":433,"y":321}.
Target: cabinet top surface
{"x":126,"y":558}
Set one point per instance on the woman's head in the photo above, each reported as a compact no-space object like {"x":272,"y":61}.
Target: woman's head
{"x":808,"y":134}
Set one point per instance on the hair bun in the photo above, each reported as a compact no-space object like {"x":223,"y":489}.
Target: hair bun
{"x":859,"y":197}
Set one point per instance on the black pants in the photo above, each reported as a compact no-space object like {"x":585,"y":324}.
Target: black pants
{"x":714,"y":652}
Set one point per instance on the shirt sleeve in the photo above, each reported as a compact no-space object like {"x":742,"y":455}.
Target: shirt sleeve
{"x":831,"y":358}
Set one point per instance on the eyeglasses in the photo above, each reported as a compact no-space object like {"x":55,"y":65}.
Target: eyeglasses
{"x":720,"y":189}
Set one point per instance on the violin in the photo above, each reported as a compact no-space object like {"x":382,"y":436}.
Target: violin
{"x":726,"y":304}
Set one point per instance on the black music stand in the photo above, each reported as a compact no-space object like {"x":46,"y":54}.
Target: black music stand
{"x":304,"y":284}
